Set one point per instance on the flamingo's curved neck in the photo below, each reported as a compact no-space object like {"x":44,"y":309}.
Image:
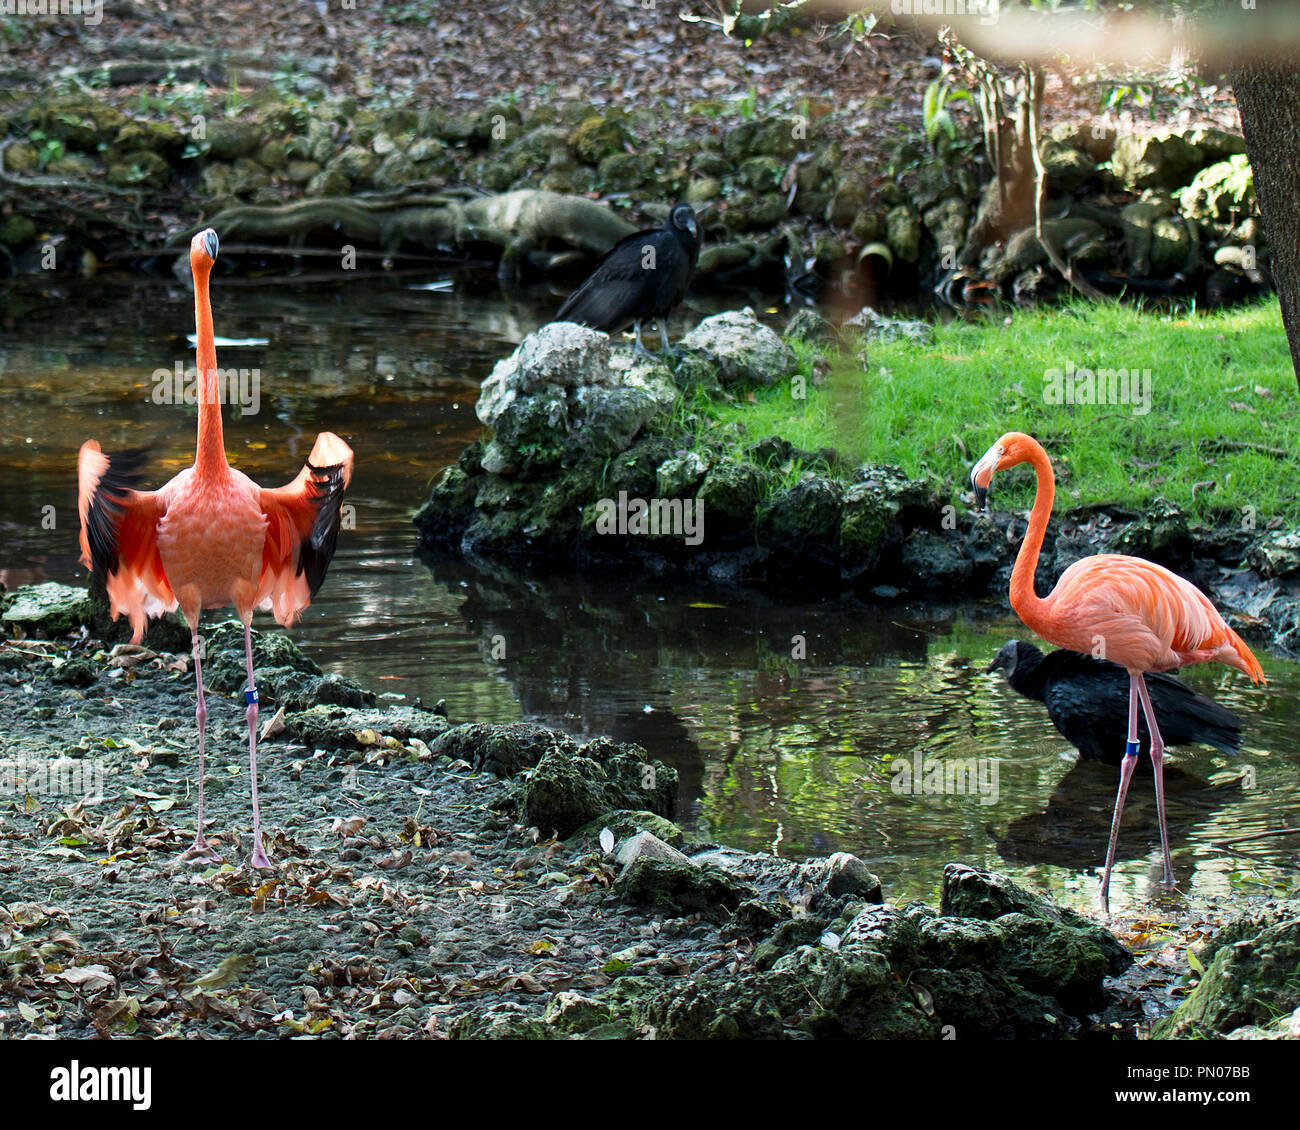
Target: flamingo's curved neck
{"x":210,"y":457}
{"x":1028,"y":605}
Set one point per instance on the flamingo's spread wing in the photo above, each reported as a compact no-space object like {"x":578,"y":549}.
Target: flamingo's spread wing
{"x":302,"y":528}
{"x":119,"y":534}
{"x":1129,"y":597}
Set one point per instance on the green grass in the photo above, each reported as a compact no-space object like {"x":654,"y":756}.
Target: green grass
{"x":934,"y":409}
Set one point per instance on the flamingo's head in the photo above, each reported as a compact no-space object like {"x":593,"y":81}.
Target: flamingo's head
{"x":1012,"y":448}
{"x":203,"y":249}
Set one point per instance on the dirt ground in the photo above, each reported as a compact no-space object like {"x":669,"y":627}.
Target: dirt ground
{"x":401,"y":899}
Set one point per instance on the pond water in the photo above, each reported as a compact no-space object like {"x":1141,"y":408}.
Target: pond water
{"x":791,"y":755}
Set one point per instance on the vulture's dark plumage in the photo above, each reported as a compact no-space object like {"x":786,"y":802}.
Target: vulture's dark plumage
{"x":643,"y":276}
{"x":1087,"y":701}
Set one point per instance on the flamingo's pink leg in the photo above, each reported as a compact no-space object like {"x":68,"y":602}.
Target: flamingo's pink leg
{"x":1125,"y":775}
{"x":258,"y":858}
{"x":1158,"y":771}
{"x":200,"y":845}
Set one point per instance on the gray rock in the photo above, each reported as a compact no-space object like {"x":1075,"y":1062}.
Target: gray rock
{"x":50,"y":609}
{"x":1154,"y":160}
{"x":646,"y":845}
{"x":745,"y":351}
{"x":1275,"y":555}
{"x":903,"y":232}
{"x":876,"y":327}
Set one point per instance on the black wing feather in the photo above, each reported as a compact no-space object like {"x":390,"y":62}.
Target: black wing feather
{"x":317,"y":549}
{"x":124,"y":473}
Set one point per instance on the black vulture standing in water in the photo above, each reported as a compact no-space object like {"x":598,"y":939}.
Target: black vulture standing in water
{"x":1087,"y":701}
{"x":643,"y":276}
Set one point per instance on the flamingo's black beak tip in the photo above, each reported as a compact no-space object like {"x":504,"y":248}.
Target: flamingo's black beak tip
{"x":211,"y":244}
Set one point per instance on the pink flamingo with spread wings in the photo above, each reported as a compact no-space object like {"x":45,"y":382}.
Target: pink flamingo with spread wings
{"x":211,"y":537}
{"x":1133,"y":612}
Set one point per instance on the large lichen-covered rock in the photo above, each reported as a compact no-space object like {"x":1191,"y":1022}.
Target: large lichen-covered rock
{"x":625,"y":823}
{"x":849,"y":967}
{"x":1249,"y":983}
{"x":563,"y":387}
{"x":745,"y":351}
{"x":1154,"y":160}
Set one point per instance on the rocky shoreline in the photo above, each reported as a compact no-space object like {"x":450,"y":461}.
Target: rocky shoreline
{"x":596,"y":458}
{"x":480,"y":881}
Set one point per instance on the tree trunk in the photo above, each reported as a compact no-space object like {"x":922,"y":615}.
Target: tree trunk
{"x":1268,"y":99}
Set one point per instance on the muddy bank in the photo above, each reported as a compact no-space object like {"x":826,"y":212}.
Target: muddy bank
{"x":597,"y":458}
{"x":439,"y":879}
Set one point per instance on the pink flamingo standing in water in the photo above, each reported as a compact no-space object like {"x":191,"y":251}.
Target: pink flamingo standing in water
{"x":211,"y":537}
{"x":1133,"y":612}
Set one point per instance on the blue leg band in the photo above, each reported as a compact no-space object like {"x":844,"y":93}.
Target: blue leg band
{"x":1130,"y":749}
{"x":250,"y":697}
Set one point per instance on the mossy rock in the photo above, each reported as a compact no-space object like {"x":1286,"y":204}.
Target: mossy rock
{"x":1249,"y":983}
{"x":142,"y":169}
{"x":597,"y":137}
{"x":397,"y":170}
{"x":328,"y":182}
{"x":357,"y":163}
{"x":1154,"y":160}
{"x":162,"y":138}
{"x":80,"y":121}
{"x":16,"y":230}
{"x":730,"y":495}
{"x":228,"y":140}
{"x":21,"y":158}
{"x":627,"y":822}
{"x":677,"y":888}
{"x":867,"y":520}
{"x":636,"y":469}
{"x":903,"y":233}
{"x":762,"y":173}
{"x":47,"y":610}
{"x":621,"y":172}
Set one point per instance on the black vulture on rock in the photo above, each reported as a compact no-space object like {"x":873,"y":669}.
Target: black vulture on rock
{"x":1087,"y":701}
{"x":643,"y":276}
